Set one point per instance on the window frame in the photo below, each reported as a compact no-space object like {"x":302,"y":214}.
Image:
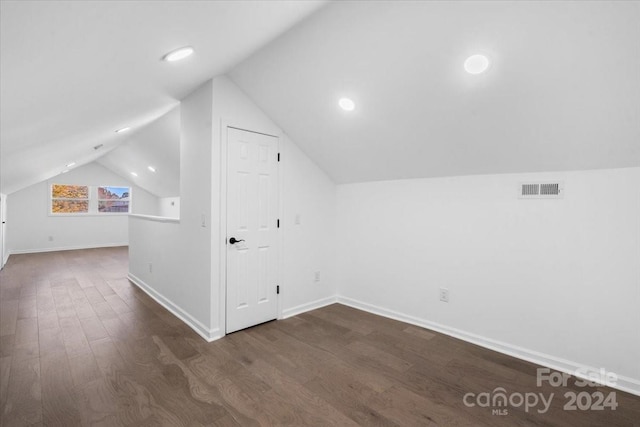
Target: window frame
{"x":98,"y":200}
{"x":52,"y":199}
{"x":93,"y":201}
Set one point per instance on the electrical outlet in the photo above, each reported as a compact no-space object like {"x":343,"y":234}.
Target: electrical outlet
{"x":203,"y":221}
{"x":298,"y":219}
{"x":150,"y":267}
{"x":444,"y":294}
{"x":316,"y":276}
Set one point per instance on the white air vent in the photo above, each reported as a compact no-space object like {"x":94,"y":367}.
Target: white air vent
{"x":541,"y":190}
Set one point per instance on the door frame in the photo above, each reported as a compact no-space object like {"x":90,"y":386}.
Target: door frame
{"x":222,"y":205}
{"x":3,"y":231}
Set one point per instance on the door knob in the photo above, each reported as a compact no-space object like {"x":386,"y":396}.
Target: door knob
{"x":234,"y":240}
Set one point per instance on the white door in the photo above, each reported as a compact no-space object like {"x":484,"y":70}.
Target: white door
{"x":252,"y":228}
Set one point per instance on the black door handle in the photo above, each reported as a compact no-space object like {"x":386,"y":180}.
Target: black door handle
{"x":234,"y":240}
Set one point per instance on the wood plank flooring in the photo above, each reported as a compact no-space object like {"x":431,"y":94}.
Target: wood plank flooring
{"x":81,"y":346}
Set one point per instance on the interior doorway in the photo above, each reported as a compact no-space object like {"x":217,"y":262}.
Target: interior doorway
{"x":252,"y":229}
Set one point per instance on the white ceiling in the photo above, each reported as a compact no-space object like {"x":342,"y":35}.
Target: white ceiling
{"x":72,"y":72}
{"x":562,"y":92}
{"x":156,"y":145}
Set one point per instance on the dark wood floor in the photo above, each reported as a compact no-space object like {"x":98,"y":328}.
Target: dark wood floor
{"x":80,"y":345}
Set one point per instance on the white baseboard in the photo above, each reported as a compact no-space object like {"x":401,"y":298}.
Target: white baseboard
{"x":65,"y":248}
{"x":206,"y":333}
{"x":627,"y":384}
{"x":294,"y":311}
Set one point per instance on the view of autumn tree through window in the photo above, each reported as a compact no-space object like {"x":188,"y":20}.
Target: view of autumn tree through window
{"x":69,"y":198}
{"x":79,"y":199}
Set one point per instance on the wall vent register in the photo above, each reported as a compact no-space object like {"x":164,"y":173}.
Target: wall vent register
{"x":541,"y":190}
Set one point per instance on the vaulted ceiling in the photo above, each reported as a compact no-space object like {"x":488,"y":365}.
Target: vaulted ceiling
{"x":73,"y":72}
{"x":562,"y":91}
{"x":152,"y":153}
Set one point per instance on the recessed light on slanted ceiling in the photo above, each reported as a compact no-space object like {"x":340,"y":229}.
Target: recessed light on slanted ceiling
{"x":347,"y":104}
{"x":71,"y":164}
{"x":178,"y":54}
{"x":65,"y":171}
{"x":134,"y":174}
{"x":151,"y":168}
{"x":123,"y":130}
{"x":476,"y":64}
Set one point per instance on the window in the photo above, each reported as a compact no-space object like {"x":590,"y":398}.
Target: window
{"x":89,"y":200}
{"x":67,"y":199}
{"x":113,"y":199}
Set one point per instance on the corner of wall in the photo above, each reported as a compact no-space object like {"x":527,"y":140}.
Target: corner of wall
{"x":306,"y":191}
{"x":423,"y":234}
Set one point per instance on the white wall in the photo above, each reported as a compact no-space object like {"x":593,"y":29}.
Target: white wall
{"x":309,"y":246}
{"x":30,"y":228}
{"x":188,"y":262}
{"x":306,"y":190}
{"x":169,"y":207}
{"x":556,"y":277}
{"x":180,"y":252}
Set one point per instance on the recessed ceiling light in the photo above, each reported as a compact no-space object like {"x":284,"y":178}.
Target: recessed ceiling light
{"x":347,"y":104}
{"x":71,"y":164}
{"x":151,"y":168}
{"x":65,"y":171}
{"x":123,"y":130}
{"x":134,"y":174}
{"x":476,"y":64}
{"x":178,"y":54}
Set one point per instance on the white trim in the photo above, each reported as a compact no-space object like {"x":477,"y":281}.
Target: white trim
{"x":627,"y":384}
{"x":222,"y":206}
{"x":242,"y":128}
{"x":208,"y":334}
{"x":64,"y":248}
{"x":156,"y":218}
{"x":4,"y":252}
{"x":313,"y":305}
{"x":81,"y":215}
{"x":281,"y":228}
{"x":93,"y":201}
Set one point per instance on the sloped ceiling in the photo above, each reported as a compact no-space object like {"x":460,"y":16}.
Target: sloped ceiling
{"x":562,"y":91}
{"x":156,"y":145}
{"x":72,"y":72}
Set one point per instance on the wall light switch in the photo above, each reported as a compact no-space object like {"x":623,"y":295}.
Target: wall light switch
{"x":444,"y":294}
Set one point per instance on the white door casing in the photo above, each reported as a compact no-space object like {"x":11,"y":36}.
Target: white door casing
{"x":252,"y":211}
{"x":3,"y":219}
